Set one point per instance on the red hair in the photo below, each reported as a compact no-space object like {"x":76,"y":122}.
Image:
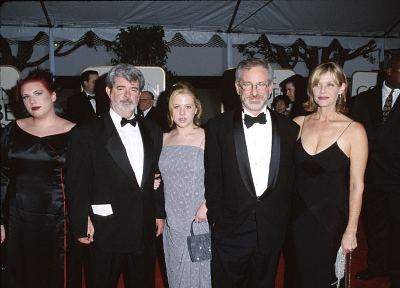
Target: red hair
{"x":42,"y":76}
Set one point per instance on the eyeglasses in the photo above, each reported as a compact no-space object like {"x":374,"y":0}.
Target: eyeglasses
{"x":248,"y":86}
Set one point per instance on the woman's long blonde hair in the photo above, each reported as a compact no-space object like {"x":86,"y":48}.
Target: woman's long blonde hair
{"x":340,"y":77}
{"x":183,"y":87}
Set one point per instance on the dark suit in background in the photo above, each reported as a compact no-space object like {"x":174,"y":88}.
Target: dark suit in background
{"x":146,"y":108}
{"x":381,"y":202}
{"x":153,"y":115}
{"x":80,"y":109}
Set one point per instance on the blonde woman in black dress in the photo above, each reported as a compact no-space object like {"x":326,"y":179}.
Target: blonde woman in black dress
{"x":330,"y":156}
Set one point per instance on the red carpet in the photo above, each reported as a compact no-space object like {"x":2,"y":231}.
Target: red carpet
{"x":358,"y":263}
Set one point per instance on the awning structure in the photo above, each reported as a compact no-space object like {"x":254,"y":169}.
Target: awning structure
{"x":317,"y":22}
{"x":356,"y":18}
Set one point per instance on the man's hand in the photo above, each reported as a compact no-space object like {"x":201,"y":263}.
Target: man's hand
{"x":90,"y":232}
{"x":159,"y":226}
{"x":157,"y":181}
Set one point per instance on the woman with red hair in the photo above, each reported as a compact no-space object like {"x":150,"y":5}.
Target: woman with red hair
{"x":32,"y":188}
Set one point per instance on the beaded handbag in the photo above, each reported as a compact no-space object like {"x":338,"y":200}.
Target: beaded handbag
{"x":199,"y":246}
{"x":342,"y":265}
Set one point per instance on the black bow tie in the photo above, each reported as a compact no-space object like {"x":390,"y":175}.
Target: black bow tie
{"x":249,"y":121}
{"x":90,"y":97}
{"x":132,"y":121}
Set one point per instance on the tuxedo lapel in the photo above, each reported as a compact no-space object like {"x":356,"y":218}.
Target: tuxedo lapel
{"x":116,"y":148}
{"x":275,"y":155}
{"x":241,"y":153}
{"x":275,"y":151}
{"x":88,"y":105}
{"x":147,"y":144}
{"x":376,"y":106}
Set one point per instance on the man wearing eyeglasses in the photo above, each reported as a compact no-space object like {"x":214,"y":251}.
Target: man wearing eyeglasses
{"x":248,"y":178}
{"x":146,"y":108}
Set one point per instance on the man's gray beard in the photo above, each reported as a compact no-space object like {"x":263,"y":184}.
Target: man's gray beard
{"x":252,"y":108}
{"x":124,"y":108}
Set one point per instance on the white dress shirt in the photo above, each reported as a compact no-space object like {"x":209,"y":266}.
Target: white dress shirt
{"x":259,"y":145}
{"x":385,"y":93}
{"x":146,"y":111}
{"x":132,"y":140}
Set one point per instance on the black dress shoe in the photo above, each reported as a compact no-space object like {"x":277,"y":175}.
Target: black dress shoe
{"x":367,"y":275}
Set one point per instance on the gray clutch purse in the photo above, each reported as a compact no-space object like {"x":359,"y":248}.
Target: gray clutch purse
{"x":199,"y":246}
{"x":342,"y":268}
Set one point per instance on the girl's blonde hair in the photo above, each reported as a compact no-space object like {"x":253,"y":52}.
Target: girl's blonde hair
{"x":183,"y":87}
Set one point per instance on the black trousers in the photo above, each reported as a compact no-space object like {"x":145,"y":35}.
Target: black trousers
{"x":381,"y":219}
{"x":78,"y":261}
{"x":161,"y":260}
{"x":137,"y":269}
{"x":236,"y":263}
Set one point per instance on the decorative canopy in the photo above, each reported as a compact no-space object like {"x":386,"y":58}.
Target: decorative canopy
{"x":71,"y":19}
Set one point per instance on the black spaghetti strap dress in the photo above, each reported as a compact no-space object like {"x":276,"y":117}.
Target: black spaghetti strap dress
{"x":320,"y":215}
{"x":32,"y":177}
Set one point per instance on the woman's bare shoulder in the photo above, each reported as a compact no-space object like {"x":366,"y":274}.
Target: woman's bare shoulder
{"x":299,"y":120}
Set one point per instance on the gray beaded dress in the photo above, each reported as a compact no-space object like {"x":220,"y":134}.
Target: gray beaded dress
{"x":182,"y":170}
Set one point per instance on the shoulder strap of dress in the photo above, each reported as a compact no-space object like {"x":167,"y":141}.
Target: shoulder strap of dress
{"x":202,"y":141}
{"x":344,"y":130}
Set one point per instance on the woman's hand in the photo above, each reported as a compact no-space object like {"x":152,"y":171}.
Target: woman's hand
{"x":349,"y":242}
{"x":3,"y":234}
{"x":201,"y":214}
{"x":157,"y":181}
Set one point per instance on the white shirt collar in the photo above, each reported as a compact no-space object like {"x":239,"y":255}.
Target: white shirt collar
{"x":147,"y":111}
{"x":386,"y":89}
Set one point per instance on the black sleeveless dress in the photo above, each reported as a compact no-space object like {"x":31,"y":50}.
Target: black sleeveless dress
{"x":32,"y":175}
{"x":320,"y":215}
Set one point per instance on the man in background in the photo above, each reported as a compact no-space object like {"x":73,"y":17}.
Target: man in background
{"x":379,"y":111}
{"x":295,"y":89}
{"x":146,"y":106}
{"x":87,"y":104}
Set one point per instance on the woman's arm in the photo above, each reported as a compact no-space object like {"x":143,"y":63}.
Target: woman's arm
{"x":358,"y":161}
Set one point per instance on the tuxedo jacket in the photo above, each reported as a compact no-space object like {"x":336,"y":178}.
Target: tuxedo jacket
{"x":152,"y":115}
{"x":230,"y":191}
{"x":80,"y":109}
{"x":99,"y":172}
{"x":383,"y":137}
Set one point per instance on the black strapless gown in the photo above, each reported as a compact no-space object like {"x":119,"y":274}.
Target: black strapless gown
{"x":33,"y":168}
{"x":320,"y":214}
